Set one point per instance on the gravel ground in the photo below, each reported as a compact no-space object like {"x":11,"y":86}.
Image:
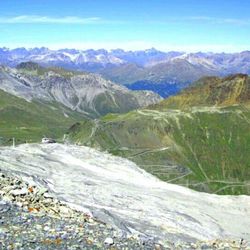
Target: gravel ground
{"x":31,"y":218}
{"x":22,"y":230}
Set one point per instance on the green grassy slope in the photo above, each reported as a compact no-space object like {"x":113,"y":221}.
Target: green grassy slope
{"x":202,"y":147}
{"x":211,"y":91}
{"x":29,"y":121}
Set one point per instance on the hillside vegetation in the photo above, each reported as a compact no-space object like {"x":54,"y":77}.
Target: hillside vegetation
{"x":211,"y":91}
{"x":30,"y":121}
{"x":199,"y":139}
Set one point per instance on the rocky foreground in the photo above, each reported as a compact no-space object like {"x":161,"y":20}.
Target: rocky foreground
{"x":58,"y":189}
{"x":31,"y":218}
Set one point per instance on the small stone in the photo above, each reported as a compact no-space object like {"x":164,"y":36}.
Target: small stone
{"x":46,"y":228}
{"x":47,"y":195}
{"x":64,"y":210}
{"x":157,"y":247}
{"x":116,"y":234}
{"x":193,"y":245}
{"x":31,"y":189}
{"x":48,"y":201}
{"x":19,"y":204}
{"x":109,"y":241}
{"x":18,"y":244}
{"x":91,"y":220}
{"x":42,"y":191}
{"x":19,"y":192}
{"x":64,"y":236}
{"x":205,"y":246}
{"x":226,"y":245}
{"x":89,"y":240}
{"x":38,"y":227}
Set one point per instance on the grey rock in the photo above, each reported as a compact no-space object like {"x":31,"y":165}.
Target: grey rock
{"x":109,"y":241}
{"x":19,"y":192}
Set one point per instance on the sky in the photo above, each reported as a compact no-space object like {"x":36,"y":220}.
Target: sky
{"x":194,"y":25}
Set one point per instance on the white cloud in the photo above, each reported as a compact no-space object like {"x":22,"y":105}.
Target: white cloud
{"x":92,"y":20}
{"x":49,"y":20}
{"x":219,"y":20}
{"x":88,"y":20}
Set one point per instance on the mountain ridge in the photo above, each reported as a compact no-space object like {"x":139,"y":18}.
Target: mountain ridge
{"x":84,"y":92}
{"x":144,"y":58}
{"x":212,"y":91}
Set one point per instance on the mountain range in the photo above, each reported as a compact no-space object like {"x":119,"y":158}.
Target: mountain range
{"x":138,"y":70}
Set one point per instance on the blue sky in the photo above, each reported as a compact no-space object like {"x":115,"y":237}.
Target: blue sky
{"x":201,"y":25}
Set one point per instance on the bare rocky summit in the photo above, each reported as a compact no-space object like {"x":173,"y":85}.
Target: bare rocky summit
{"x":87,"y":93}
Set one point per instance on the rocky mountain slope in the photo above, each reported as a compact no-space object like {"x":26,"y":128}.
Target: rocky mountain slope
{"x":116,"y":191}
{"x":140,"y":70}
{"x":199,"y":138}
{"x":171,"y":72}
{"x":47,"y":223}
{"x":83,"y":92}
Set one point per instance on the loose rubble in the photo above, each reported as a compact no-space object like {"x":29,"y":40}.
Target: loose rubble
{"x":31,"y":218}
